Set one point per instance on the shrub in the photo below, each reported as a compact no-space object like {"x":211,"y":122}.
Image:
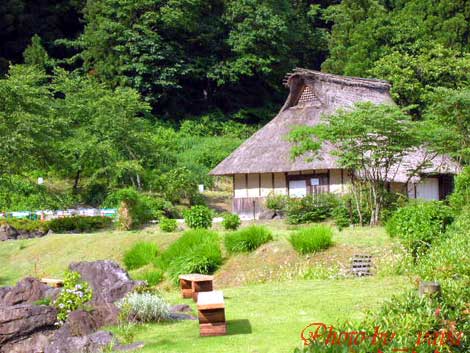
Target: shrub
{"x":341,"y":216}
{"x":141,"y":254}
{"x":247,"y":239}
{"x":461,"y":195}
{"x":198,"y":217}
{"x":276,"y":202}
{"x":151,"y":275}
{"x":231,"y":221}
{"x":26,"y":225}
{"x":196,"y":251}
{"x":144,"y":307}
{"x":418,"y":224}
{"x":310,"y":208}
{"x":312,"y":239}
{"x":73,"y":294}
{"x":168,"y":224}
{"x":79,"y":224}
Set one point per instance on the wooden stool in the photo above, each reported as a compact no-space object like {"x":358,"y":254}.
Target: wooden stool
{"x":211,"y":313}
{"x":51,"y":282}
{"x":194,"y":283}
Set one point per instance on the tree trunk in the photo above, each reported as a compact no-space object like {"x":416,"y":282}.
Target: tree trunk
{"x":76,"y":182}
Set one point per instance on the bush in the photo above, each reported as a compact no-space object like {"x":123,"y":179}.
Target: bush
{"x":461,"y":195}
{"x":79,"y":224}
{"x":72,"y":296}
{"x":196,"y":251}
{"x":144,"y":307}
{"x":341,"y":216}
{"x":247,"y":239}
{"x":231,"y":221}
{"x":141,"y":254}
{"x":312,"y":239}
{"x":276,"y":202}
{"x":151,"y":275}
{"x":310,"y":208}
{"x":168,"y":224}
{"x":26,"y":225}
{"x":418,"y":224}
{"x":198,"y":217}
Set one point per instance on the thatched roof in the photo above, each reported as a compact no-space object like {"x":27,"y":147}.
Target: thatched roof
{"x":312,"y":94}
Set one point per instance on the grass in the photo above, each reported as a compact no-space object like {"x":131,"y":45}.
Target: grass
{"x":142,"y":253}
{"x":268,"y":302}
{"x":247,"y":239}
{"x":312,"y":239}
{"x":268,"y":318}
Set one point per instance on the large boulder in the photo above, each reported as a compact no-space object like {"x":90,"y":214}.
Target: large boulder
{"x":24,"y":319}
{"x":28,"y":290}
{"x":108,"y":280}
{"x":93,"y":343}
{"x":7,"y":232}
{"x":36,"y":343}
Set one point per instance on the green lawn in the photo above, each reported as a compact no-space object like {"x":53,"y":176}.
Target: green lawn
{"x":269,"y":317}
{"x":267,"y":300}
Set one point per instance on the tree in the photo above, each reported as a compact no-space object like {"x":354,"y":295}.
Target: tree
{"x":105,"y":135}
{"x":450,"y":109}
{"x":27,"y":123}
{"x":372,"y":142}
{"x":35,"y":54}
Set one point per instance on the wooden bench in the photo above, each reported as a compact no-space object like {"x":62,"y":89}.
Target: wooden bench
{"x":52,"y":282}
{"x":211,"y":313}
{"x":192,"y":284}
{"x":361,"y":265}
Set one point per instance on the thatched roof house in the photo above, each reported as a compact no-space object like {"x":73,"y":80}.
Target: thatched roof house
{"x":262,"y":164}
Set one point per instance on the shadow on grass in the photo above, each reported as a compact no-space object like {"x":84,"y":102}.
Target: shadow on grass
{"x":238,"y":327}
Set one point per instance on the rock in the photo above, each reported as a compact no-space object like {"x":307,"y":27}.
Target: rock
{"x":36,"y":343}
{"x":129,"y":347}
{"x":181,"y":316}
{"x":7,"y":232}
{"x":267,"y":214}
{"x":28,"y":290}
{"x":21,"y":320}
{"x":108,"y":280}
{"x":94,"y":343}
{"x":80,"y":323}
{"x":180,"y":308}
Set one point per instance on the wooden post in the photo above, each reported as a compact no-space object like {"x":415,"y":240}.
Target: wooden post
{"x":429,"y":288}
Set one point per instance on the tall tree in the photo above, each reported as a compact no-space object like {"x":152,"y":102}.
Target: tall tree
{"x":372,"y":141}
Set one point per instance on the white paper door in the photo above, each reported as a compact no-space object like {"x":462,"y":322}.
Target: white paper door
{"x":297,"y":188}
{"x":428,"y":189}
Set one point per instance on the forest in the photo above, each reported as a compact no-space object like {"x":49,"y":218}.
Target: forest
{"x":101,"y":95}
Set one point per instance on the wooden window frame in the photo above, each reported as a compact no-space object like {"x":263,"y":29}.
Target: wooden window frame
{"x":307,"y":177}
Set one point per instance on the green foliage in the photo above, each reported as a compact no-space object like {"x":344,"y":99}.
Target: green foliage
{"x":461,"y":195}
{"x":417,"y":45}
{"x":168,"y":224}
{"x":198,"y":217}
{"x":81,"y":224}
{"x":312,"y":239}
{"x":197,"y":251}
{"x":419,"y":224}
{"x":72,"y":296}
{"x":36,"y":55}
{"x":144,"y":307}
{"x":450,"y":109}
{"x":141,"y":254}
{"x":231,"y":221}
{"x":152,"y":276}
{"x":354,"y":133}
{"x":277,"y":202}
{"x":341,"y":216}
{"x":247,"y":239}
{"x":310,"y":208}
{"x":26,"y":224}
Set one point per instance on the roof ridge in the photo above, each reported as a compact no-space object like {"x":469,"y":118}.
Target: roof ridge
{"x":348,"y":80}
